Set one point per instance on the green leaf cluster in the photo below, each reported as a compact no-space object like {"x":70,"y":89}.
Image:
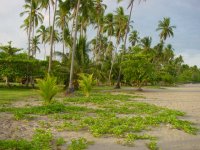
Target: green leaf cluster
{"x":86,"y":82}
{"x":48,"y":88}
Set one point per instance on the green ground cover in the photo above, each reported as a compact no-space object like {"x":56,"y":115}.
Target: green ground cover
{"x":102,"y":114}
{"x":9,"y":95}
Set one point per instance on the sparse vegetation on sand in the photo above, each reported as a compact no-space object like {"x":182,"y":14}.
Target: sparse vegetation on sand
{"x":102,"y":115}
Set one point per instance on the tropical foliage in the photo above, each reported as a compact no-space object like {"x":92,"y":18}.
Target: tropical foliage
{"x":48,"y":88}
{"x":86,"y":82}
{"x":113,"y":55}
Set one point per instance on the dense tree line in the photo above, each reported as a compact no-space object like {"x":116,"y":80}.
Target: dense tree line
{"x":116,"y":54}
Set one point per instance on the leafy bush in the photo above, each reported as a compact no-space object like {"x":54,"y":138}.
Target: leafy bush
{"x":86,"y":81}
{"x":48,"y":88}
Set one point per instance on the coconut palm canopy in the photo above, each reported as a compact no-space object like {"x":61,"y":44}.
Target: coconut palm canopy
{"x":150,"y":11}
{"x":95,"y":36}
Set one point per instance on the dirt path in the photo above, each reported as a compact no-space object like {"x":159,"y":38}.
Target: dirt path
{"x":184,"y":98}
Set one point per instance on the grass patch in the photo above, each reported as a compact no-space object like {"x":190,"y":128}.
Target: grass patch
{"x":45,"y":110}
{"x":9,"y":95}
{"x":15,"y":144}
{"x":99,"y":98}
{"x":42,"y":139}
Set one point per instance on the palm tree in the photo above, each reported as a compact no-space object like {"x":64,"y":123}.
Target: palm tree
{"x":42,"y":33}
{"x":146,"y":43}
{"x":33,"y":19}
{"x":56,"y":35}
{"x":168,"y":54}
{"x":165,"y":28}
{"x":52,"y":38}
{"x":46,"y":4}
{"x":56,"y":38}
{"x":32,"y":10}
{"x":99,"y":18}
{"x":82,"y":49}
{"x":121,"y":22}
{"x":67,"y":39}
{"x":71,"y":88}
{"x":134,"y":37}
{"x":126,"y":35}
{"x":34,"y":45}
{"x":27,"y":22}
{"x":109,"y":25}
{"x":62,"y":19}
{"x":25,"y":25}
{"x":87,"y":10}
{"x":109,"y":50}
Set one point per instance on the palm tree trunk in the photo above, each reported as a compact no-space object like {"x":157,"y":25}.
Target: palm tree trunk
{"x":127,"y":27}
{"x":71,"y":88}
{"x":112,"y":63}
{"x":63,"y":40}
{"x":110,"y":73}
{"x":54,"y":52}
{"x":44,"y":51}
{"x":81,"y":32}
{"x":52,"y":39}
{"x":98,"y":33}
{"x":126,"y":35}
{"x":49,"y":15}
{"x":73,"y":22}
{"x":29,"y":31}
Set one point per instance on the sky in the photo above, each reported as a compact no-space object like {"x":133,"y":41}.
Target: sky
{"x":184,"y":14}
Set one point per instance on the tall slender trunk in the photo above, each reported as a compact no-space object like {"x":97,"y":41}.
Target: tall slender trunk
{"x":44,"y":51}
{"x":29,"y":31}
{"x":52,"y":39}
{"x":81,"y":32}
{"x":73,"y":25}
{"x":127,"y":27}
{"x":63,"y":39}
{"x":54,"y":52}
{"x":35,"y":53}
{"x":33,"y":33}
{"x":98,"y":33}
{"x":126,"y":35}
{"x":112,"y":63}
{"x":49,"y":14}
{"x":29,"y":42}
{"x":71,"y":88}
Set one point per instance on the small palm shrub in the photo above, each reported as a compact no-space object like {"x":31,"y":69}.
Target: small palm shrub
{"x":86,"y":82}
{"x":48,"y":88}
